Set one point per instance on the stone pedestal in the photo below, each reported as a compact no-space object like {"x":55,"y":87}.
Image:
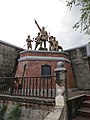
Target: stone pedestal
{"x":30,"y":64}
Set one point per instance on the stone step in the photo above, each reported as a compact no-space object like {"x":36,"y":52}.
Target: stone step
{"x":83,"y":111}
{"x":86,"y":103}
{"x":87,"y":97}
{"x":80,"y":118}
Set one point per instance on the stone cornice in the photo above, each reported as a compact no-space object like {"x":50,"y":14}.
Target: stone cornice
{"x":44,"y":51}
{"x":41,"y":58}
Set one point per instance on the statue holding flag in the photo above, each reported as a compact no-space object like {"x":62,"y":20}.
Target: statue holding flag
{"x":43,"y":34}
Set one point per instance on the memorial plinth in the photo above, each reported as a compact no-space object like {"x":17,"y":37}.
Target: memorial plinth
{"x":34,"y":63}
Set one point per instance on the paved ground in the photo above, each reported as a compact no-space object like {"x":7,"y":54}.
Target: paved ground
{"x":80,"y":118}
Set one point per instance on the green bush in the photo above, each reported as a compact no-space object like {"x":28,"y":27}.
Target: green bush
{"x":14,"y":113}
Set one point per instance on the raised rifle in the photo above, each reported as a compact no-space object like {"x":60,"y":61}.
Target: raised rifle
{"x":37,"y":25}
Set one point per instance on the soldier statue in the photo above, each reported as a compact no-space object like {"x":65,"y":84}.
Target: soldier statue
{"x":56,"y":45}
{"x":44,"y":34}
{"x":51,"y":39}
{"x":53,"y":44}
{"x":38,"y":41}
{"x":29,"y":44}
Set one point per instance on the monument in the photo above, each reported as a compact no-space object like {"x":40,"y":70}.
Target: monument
{"x":42,"y":62}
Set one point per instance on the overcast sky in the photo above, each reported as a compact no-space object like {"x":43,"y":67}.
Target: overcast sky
{"x":17,"y":21}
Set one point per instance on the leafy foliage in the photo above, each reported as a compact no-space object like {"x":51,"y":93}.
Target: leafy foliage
{"x":15,"y":113}
{"x":3,"y":109}
{"x":84,"y":21}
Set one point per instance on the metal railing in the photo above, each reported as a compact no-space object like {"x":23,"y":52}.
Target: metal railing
{"x":44,"y":86}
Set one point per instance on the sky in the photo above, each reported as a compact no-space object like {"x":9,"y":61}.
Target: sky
{"x":17,"y":22}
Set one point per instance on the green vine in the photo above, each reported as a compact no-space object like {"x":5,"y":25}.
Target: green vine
{"x":3,"y":109}
{"x":15,"y":113}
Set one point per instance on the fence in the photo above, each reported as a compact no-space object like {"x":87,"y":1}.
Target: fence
{"x":44,"y":87}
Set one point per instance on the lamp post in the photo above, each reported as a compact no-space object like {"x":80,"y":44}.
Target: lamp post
{"x":61,"y":79}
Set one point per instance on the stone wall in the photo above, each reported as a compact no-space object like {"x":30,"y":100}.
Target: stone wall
{"x":81,"y":66}
{"x":27,"y":111}
{"x":8,"y":59}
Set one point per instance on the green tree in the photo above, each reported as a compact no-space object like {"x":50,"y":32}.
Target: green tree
{"x":84,"y":22}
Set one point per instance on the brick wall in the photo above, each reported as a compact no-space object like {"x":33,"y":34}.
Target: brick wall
{"x":35,"y":59}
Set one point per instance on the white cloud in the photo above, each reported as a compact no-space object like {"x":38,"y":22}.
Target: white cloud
{"x":16,"y":21}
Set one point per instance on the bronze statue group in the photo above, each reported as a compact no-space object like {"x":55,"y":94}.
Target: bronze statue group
{"x":41,"y":38}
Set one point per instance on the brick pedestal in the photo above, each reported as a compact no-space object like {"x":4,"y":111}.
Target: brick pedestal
{"x":30,"y":64}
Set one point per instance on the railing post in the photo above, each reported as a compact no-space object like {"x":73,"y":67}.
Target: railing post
{"x":61,"y":80}
{"x":11,"y":90}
